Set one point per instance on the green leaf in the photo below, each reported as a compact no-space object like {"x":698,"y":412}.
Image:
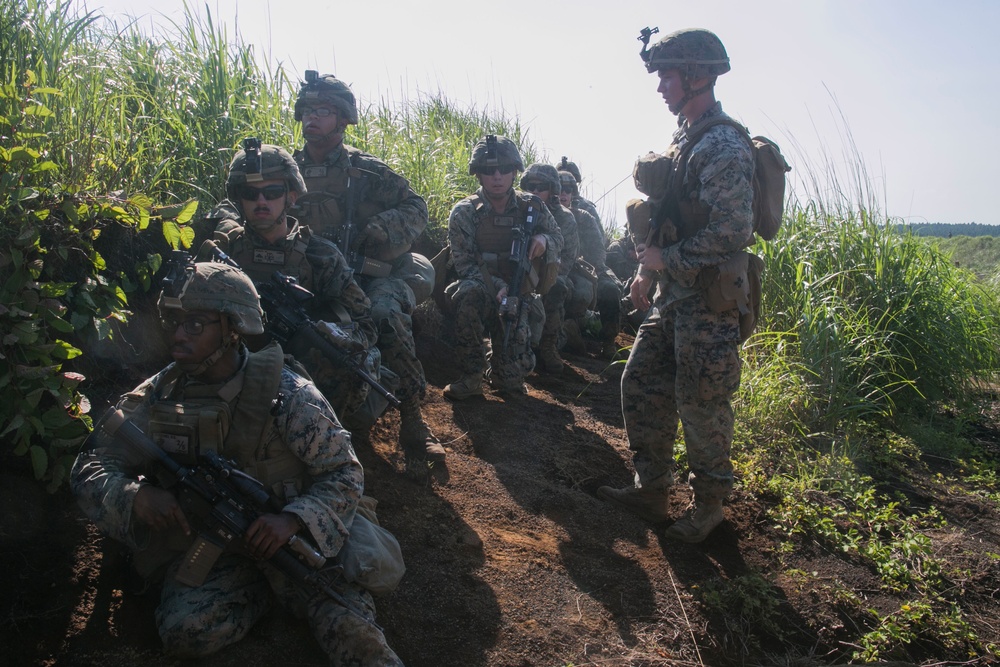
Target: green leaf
{"x":14,"y":424}
{"x":39,"y":461}
{"x":187,"y":235}
{"x":172,"y":233}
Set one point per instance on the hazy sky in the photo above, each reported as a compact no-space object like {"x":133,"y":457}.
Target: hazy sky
{"x":902,"y":87}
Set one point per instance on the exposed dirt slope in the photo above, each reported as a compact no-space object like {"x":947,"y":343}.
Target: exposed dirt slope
{"x":512,"y":560}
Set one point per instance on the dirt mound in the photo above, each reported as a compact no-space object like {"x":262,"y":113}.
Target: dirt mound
{"x":511,"y":558}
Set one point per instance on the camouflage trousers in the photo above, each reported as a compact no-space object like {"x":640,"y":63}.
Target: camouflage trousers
{"x":195,"y":622}
{"x":609,"y":294}
{"x":555,"y":307}
{"x":477,"y":316}
{"x":393,"y":302}
{"x":684,"y":369}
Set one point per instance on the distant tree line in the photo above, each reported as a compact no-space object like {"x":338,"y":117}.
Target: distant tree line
{"x":946,"y":230}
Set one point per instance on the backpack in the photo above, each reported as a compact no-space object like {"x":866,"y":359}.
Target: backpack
{"x":769,"y":169}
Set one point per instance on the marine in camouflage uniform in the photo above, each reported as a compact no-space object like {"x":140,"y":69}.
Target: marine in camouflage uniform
{"x":542,"y":180}
{"x":621,"y":259}
{"x":481,"y":229}
{"x":579,"y":200}
{"x":593,"y":252}
{"x":257,"y":234}
{"x":685,"y":363}
{"x":276,"y":426}
{"x":387,"y":216}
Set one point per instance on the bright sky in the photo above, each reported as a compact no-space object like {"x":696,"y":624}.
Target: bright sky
{"x":908,"y":81}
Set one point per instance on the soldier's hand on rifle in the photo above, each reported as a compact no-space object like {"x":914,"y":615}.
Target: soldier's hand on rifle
{"x":159,"y":509}
{"x":650,"y":257}
{"x":374,"y":233}
{"x":270,"y":532}
{"x":502,"y":294}
{"x":538,"y":245}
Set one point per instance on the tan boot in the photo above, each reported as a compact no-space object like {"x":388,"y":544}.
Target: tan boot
{"x":650,"y":504}
{"x":414,"y":436}
{"x":549,"y":356}
{"x":467,"y":387}
{"x":697,"y":522}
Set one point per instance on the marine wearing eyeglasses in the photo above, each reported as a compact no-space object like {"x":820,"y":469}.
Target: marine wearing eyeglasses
{"x":480,"y":233}
{"x":388,"y":218}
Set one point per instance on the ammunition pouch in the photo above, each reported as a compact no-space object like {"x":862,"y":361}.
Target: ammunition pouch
{"x":371,"y":557}
{"x":736,"y":283}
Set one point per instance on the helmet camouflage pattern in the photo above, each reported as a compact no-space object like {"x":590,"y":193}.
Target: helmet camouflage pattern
{"x":696,"y":53}
{"x":275,"y":164}
{"x":566,"y":165}
{"x":219,"y":288}
{"x":495,"y":151}
{"x":568,"y":182}
{"x":542,"y":172}
{"x":326,"y":88}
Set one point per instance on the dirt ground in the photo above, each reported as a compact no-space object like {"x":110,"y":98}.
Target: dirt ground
{"x":512,"y":560}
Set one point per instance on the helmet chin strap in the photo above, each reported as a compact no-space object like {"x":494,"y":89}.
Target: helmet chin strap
{"x":689,"y":95}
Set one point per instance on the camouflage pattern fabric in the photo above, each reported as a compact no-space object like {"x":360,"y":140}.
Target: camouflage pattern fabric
{"x":474,"y":303}
{"x":609,"y":288}
{"x":393,"y":206}
{"x":620,"y":258}
{"x":335,"y":290}
{"x":685,"y":365}
{"x":198,"y":621}
{"x":555,"y":300}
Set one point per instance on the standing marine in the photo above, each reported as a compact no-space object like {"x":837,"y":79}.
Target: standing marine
{"x":685,"y":364}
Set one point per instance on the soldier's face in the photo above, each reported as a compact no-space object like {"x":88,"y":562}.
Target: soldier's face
{"x":671,"y":88}
{"x":566,"y":198}
{"x":320,"y":121}
{"x":261,"y":212}
{"x":194,"y":348}
{"x":496,"y":183}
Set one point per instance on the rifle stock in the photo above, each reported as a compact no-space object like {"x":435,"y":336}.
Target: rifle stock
{"x":226,"y":501}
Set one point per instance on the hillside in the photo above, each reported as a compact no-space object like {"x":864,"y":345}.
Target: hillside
{"x":513,"y":561}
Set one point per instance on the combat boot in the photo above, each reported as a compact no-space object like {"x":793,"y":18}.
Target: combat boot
{"x":549,"y":356}
{"x":697,"y":522}
{"x":650,"y":504}
{"x":414,"y":436}
{"x":574,"y":339}
{"x":467,"y":387}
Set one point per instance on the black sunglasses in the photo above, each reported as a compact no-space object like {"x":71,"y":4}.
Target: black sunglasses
{"x":489,"y":171}
{"x":270,"y":192}
{"x":192,"y":327}
{"x":537,"y":187}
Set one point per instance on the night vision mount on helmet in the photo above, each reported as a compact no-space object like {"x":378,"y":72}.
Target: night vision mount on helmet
{"x":260,"y":162}
{"x":317,"y":89}
{"x":495,"y":151}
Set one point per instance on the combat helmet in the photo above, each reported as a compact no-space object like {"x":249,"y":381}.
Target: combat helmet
{"x":568,"y":182}
{"x":495,"y":151}
{"x":545,"y":173}
{"x":261,"y":162}
{"x":215,"y":287}
{"x":326,"y":88}
{"x":695,"y":52}
{"x":566,"y":165}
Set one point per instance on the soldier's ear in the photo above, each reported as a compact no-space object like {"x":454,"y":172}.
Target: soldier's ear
{"x":293,"y":195}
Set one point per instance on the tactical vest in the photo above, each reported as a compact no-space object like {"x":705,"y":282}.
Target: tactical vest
{"x":231,"y":419}
{"x":260,"y":263}
{"x":323,"y":207}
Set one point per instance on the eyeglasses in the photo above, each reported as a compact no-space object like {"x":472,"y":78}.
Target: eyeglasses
{"x":191,"y":326}
{"x":489,"y":171}
{"x":537,"y":187}
{"x":270,"y":192}
{"x":321,"y":112}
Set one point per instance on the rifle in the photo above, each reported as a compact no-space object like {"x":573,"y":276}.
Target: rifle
{"x":225,"y":500}
{"x":282,"y":299}
{"x":512,"y":305}
{"x":357,"y":187}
